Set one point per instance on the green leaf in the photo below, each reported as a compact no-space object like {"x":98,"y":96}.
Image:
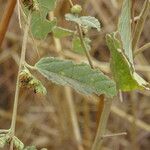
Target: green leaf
{"x":3,"y":141}
{"x":46,"y":6}
{"x":123,"y":71}
{"x":88,"y":21}
{"x":41,"y":27}
{"x":17,"y":143}
{"x":27,"y":80}
{"x":30,"y":148}
{"x":78,"y":76}
{"x":77,"y":46}
{"x":124,"y":28}
{"x":60,"y":32}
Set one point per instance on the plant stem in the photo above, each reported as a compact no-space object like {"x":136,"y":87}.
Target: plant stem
{"x":82,"y":41}
{"x":22,"y":61}
{"x":143,"y":48}
{"x":71,"y":3}
{"x":115,"y":134}
{"x":6,"y":18}
{"x":140,"y":24}
{"x":102,"y":125}
{"x":105,"y":105}
{"x":84,"y":46}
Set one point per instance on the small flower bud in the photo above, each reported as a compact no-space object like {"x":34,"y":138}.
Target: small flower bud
{"x":76,"y":9}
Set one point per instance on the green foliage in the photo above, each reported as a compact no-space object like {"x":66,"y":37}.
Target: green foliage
{"x":27,"y":80}
{"x":88,"y":21}
{"x":77,"y":46}
{"x":123,"y":71}
{"x":78,"y":76}
{"x":124,"y":28}
{"x":3,"y":140}
{"x":46,"y":5}
{"x":60,"y":32}
{"x":40,"y":26}
{"x":17,"y":143}
{"x":30,"y":148}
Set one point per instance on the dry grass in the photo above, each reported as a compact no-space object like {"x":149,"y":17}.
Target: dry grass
{"x":45,"y":121}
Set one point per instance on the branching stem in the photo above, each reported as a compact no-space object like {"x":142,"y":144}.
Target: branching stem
{"x":22,"y":61}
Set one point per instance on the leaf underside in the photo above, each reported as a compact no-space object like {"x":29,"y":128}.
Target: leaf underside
{"x":124,"y":29}
{"x":123,"y":72}
{"x":78,"y":76}
{"x":88,"y":21}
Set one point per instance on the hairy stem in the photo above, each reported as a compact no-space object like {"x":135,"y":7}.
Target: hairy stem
{"x":21,"y":63}
{"x":84,"y":46}
{"x":6,"y":18}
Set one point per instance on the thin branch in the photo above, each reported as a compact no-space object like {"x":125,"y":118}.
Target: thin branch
{"x":22,"y":61}
{"x":140,"y":24}
{"x":142,"y":49}
{"x":71,"y":3}
{"x":115,"y":134}
{"x":102,"y":126}
{"x":84,"y":46}
{"x":6,"y":18}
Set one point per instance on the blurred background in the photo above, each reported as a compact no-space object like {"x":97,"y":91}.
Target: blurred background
{"x":46,"y":121}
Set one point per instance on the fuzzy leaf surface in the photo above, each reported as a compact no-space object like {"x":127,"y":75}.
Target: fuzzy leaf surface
{"x":78,"y":76}
{"x":123,"y":72}
{"x":41,"y":27}
{"x":46,"y":5}
{"x":77,"y":46}
{"x":60,"y":32}
{"x":124,"y":28}
{"x":88,"y":21}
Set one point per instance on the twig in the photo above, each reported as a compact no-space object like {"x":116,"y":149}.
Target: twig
{"x":84,"y":46}
{"x":142,"y":49}
{"x":6,"y":18}
{"x":71,"y":3}
{"x":22,"y":61}
{"x":102,"y":125}
{"x":139,"y":123}
{"x":140,"y":24}
{"x":115,"y":134}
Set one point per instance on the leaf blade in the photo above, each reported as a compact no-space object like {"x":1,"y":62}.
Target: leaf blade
{"x":78,"y":76}
{"x":88,"y":21}
{"x":124,"y":28}
{"x":123,"y":71}
{"x":60,"y":32}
